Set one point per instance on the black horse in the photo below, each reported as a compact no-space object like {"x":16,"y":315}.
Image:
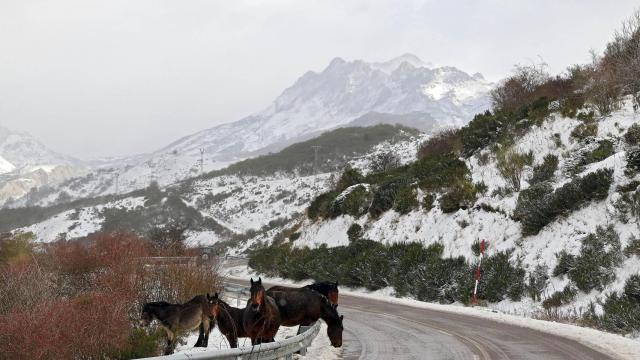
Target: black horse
{"x":228,"y":319}
{"x":179,"y":318}
{"x":304,"y":306}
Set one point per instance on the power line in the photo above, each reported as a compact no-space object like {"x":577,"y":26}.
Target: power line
{"x":315,"y":159}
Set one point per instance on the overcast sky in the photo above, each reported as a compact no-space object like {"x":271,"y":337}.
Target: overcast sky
{"x":116,"y":77}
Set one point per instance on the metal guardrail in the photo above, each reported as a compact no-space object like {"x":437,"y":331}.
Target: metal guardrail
{"x":267,"y":351}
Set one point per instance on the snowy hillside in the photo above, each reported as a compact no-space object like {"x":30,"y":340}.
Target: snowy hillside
{"x":492,"y":219}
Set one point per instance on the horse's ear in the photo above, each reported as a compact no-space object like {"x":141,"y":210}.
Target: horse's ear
{"x":260,"y":280}
{"x":215,"y":296}
{"x":336,"y":284}
{"x":341,"y":317}
{"x":251,"y":281}
{"x":208,"y":297}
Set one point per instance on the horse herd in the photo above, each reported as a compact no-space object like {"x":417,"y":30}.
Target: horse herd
{"x":265,"y":312}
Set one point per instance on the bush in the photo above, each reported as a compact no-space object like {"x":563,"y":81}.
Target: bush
{"x":500,"y":279}
{"x":384,"y":162}
{"x":354,"y":232}
{"x":437,"y":173}
{"x":585,"y":130}
{"x":91,"y":287}
{"x":633,"y":248}
{"x":406,"y":200}
{"x":446,"y":142}
{"x":511,"y":164}
{"x":594,"y":268}
{"x":544,"y":171}
{"x":602,"y":151}
{"x":535,"y":209}
{"x":462,"y":196}
{"x":632,"y":136}
{"x":409,"y":267}
{"x":620,"y":311}
{"x":628,"y":205}
{"x":384,"y":197}
{"x":354,"y":201}
{"x":559,"y":298}
{"x":428,"y":201}
{"x":320,"y":207}
{"x":348,"y":178}
{"x":538,"y":281}
{"x":633,"y":161}
{"x":482,"y":131}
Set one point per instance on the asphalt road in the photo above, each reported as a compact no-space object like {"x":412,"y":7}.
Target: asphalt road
{"x":379,"y":330}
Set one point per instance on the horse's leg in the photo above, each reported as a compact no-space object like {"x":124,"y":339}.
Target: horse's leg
{"x":170,"y":342}
{"x":205,"y":325}
{"x":200,"y":336}
{"x":233,"y":341}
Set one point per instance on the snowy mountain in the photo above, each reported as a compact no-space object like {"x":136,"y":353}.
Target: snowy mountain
{"x":25,"y":163}
{"x":341,"y":93}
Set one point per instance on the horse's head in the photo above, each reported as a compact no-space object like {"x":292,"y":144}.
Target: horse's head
{"x":257,"y":294}
{"x":334,"y":330}
{"x":146,"y":318}
{"x":214,"y":305}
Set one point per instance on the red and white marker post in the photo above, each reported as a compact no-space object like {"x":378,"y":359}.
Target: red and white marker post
{"x":474,"y":298}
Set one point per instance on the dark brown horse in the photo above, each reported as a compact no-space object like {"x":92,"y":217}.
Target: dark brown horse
{"x":176,"y":319}
{"x":304,"y":306}
{"x":326,"y":288}
{"x":228,"y":319}
{"x":261,"y":317}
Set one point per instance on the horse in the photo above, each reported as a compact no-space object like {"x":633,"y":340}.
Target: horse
{"x":179,"y":318}
{"x":228,"y":319}
{"x":304,"y":306}
{"x":326,"y":288}
{"x":261,"y":317}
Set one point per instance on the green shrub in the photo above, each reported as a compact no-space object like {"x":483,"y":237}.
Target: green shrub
{"x":620,"y":311}
{"x":500,"y":279}
{"x":536,"y":210}
{"x":633,"y":162}
{"x":559,"y":298}
{"x":428,"y":201}
{"x":571,"y":104}
{"x":354,"y":232}
{"x":594,"y":268}
{"x":544,"y":171}
{"x":354,"y":203}
{"x":384,"y":197}
{"x":632,"y":136}
{"x":628,"y":206}
{"x":538,"y":281}
{"x":406,"y":200}
{"x":437,"y":173}
{"x":462,"y":196}
{"x":320,"y":207}
{"x":633,"y":248}
{"x":511,"y":164}
{"x":482,"y":131}
{"x":585,"y":130}
{"x":348,"y":178}
{"x":566,"y":262}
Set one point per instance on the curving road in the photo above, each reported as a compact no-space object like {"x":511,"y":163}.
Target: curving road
{"x":379,"y":330}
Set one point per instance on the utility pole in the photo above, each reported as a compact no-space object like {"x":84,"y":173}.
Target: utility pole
{"x":315,"y":159}
{"x":201,"y":161}
{"x":117,"y":176}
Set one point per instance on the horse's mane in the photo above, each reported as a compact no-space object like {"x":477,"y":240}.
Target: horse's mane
{"x":323,"y":286}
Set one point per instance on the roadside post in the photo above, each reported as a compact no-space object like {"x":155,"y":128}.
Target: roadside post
{"x":474,"y":297}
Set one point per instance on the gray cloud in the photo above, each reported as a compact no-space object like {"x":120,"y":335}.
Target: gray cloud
{"x":113,"y":77}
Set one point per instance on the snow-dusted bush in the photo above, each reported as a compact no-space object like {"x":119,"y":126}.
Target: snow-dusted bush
{"x":620,"y":311}
{"x":562,"y":297}
{"x":461,"y":196}
{"x":320,"y":207}
{"x":632,"y":136}
{"x":354,"y":201}
{"x":544,"y":171}
{"x":406,"y":200}
{"x":511,"y":165}
{"x":501,"y":279}
{"x":595,"y":265}
{"x":585,"y":130}
{"x":535,"y":209}
{"x":633,"y":161}
{"x":354,"y":232}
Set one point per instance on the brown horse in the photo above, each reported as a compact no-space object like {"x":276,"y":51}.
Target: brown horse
{"x":228,"y":319}
{"x":326,"y":288}
{"x":179,"y":318}
{"x":304,"y":306}
{"x":261,"y":317}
